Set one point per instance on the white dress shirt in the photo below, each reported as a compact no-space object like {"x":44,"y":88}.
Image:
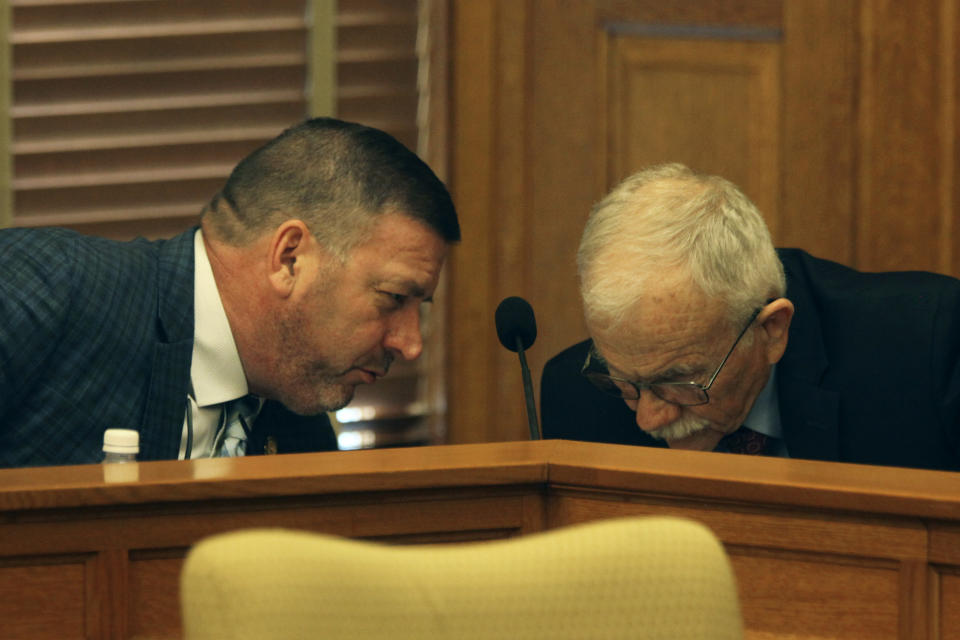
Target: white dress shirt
{"x":764,"y":417}
{"x":216,"y":373}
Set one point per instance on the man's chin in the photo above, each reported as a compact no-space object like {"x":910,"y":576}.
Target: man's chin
{"x":330,"y":398}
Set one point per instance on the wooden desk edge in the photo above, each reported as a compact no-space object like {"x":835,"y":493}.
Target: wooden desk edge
{"x":799,"y":483}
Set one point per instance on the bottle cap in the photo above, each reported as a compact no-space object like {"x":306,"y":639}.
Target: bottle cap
{"x":121,"y":441}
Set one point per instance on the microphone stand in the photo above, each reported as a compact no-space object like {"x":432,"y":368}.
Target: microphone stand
{"x":528,"y":392}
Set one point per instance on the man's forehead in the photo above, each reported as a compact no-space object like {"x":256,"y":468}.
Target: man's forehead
{"x":661,"y":331}
{"x":402,"y":250}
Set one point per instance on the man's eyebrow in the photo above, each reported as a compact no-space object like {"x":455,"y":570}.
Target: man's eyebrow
{"x":416,"y":291}
{"x":408,"y":288}
{"x":678,"y":373}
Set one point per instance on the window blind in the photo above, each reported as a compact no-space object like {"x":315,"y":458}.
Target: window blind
{"x":127,"y":114}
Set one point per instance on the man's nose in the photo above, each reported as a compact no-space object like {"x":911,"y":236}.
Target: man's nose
{"x":403,"y":334}
{"x":652,"y":412}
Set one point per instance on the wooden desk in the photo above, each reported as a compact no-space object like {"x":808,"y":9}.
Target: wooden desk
{"x":820,"y":550}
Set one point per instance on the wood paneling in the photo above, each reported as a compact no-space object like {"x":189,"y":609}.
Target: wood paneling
{"x":900,"y":102}
{"x":819,"y":590}
{"x":819,"y":134}
{"x":838,"y":118}
{"x":712,"y":104}
{"x":949,"y":609}
{"x":43,"y":597}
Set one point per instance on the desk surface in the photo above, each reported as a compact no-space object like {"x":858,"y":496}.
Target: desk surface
{"x":800,"y":483}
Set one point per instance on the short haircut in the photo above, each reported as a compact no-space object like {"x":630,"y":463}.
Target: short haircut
{"x":668,"y":223}
{"x":337,"y":177}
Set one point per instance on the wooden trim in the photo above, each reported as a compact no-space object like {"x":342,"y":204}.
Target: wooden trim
{"x":472,"y":267}
{"x":947,"y":98}
{"x":322,"y":63}
{"x":491,"y":182}
{"x":899,"y":172}
{"x":434,"y":117}
{"x":810,"y":486}
{"x":433,"y":124}
{"x":6,"y":170}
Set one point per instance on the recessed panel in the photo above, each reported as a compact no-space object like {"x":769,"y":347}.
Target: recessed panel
{"x":154,"y":597}
{"x":711,"y":104}
{"x":813,"y":597}
{"x":950,"y":605}
{"x":43,"y":599}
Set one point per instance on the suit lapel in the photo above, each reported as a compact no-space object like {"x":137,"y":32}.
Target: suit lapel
{"x":808,"y":413}
{"x":162,"y":421}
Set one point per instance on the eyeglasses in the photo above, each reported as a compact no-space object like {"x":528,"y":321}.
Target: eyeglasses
{"x":686,"y":394}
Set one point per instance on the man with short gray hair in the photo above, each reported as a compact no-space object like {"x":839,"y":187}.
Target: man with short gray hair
{"x":705,"y":337}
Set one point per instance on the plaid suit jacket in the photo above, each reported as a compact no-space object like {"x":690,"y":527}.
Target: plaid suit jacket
{"x":97,"y":334}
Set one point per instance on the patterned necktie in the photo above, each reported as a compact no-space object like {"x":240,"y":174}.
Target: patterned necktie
{"x":746,"y":441}
{"x":238,"y":414}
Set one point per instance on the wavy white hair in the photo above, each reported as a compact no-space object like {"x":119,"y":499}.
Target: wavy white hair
{"x":667,"y":223}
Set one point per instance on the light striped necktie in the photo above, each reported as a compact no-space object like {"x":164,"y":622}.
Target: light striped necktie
{"x":238,"y":416}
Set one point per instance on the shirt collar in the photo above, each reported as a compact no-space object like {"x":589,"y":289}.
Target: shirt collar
{"x":764,"y":416}
{"x":216,"y":372}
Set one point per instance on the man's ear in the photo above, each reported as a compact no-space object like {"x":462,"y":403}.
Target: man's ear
{"x":289,"y":244}
{"x":775,"y":321}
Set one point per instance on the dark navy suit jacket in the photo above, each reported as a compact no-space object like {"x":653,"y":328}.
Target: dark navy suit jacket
{"x":871,"y":373}
{"x":97,"y":334}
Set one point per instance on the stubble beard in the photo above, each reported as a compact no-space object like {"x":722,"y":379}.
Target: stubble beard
{"x":306,"y":387}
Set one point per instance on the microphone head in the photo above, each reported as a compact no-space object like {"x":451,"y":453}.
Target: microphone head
{"x":514,"y":318}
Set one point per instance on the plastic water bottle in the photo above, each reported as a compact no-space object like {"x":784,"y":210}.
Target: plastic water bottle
{"x":121,"y":445}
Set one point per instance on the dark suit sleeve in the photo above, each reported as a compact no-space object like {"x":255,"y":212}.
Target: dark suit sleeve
{"x":946,"y":362}
{"x":36,"y":273}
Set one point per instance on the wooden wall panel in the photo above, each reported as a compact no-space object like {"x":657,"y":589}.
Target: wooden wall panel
{"x":472,"y":264}
{"x":819,"y":150}
{"x":900,"y":102}
{"x":154,"y":587}
{"x":712,"y":104}
{"x":44,"y":598}
{"x":819,"y":564}
{"x":818,"y":588}
{"x":566,"y":174}
{"x":949,"y":604}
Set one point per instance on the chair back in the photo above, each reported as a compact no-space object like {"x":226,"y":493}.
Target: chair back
{"x":648,"y":578}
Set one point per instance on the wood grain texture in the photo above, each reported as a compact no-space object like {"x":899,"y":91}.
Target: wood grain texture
{"x":819,"y":148}
{"x":819,"y":549}
{"x":712,"y":104}
{"x":43,"y":597}
{"x":898,"y":217}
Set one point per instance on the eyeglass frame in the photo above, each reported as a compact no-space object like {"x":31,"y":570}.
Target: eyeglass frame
{"x":639,"y":386}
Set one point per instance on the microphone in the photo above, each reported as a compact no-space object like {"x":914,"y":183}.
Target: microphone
{"x":517,"y":329}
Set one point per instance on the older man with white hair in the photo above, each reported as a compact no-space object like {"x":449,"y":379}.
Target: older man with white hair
{"x":703,"y":336}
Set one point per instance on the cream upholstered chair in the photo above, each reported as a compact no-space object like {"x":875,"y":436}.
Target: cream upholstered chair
{"x":623,"y":578}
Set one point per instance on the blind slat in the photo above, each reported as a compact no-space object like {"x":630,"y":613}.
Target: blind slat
{"x":154,"y":103}
{"x":167,"y":66}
